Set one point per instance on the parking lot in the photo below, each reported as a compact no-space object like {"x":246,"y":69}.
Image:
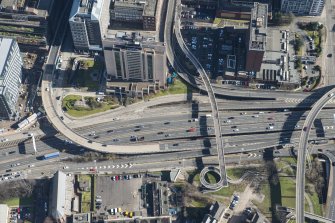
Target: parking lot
{"x":121,"y":193}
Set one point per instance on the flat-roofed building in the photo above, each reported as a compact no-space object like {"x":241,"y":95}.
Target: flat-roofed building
{"x":4,"y":213}
{"x":89,"y":21}
{"x":10,"y":76}
{"x":303,"y":7}
{"x":138,"y":11}
{"x":257,"y":37}
{"x":133,"y":57}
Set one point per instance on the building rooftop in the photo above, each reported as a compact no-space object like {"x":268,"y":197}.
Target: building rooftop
{"x":258,"y":27}
{"x":150,"y":8}
{"x":86,"y":8}
{"x":3,"y":213}
{"x":57,"y":207}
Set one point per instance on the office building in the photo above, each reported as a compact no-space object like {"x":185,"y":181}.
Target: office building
{"x":257,"y":37}
{"x":10,"y":76}
{"x":303,"y":7}
{"x":134,"y":57}
{"x":138,"y":11}
{"x":277,"y":67}
{"x":89,"y":21}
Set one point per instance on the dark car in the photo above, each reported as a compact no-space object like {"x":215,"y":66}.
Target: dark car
{"x":160,"y":133}
{"x":166,"y":123}
{"x":329,"y":55}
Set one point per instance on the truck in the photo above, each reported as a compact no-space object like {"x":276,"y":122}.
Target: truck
{"x":192,"y":129}
{"x":50,"y":156}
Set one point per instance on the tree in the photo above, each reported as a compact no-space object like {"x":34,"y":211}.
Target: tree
{"x":298,"y":43}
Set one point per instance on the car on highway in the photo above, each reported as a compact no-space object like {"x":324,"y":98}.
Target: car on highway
{"x":62,"y":117}
{"x":227,"y":121}
{"x":329,"y":55}
{"x":236,"y":130}
{"x":166,"y":123}
{"x":167,"y":135}
{"x":160,"y":133}
{"x":175,"y":144}
{"x":331,"y":95}
{"x":234,"y":127}
{"x":96,"y":137}
{"x":255,"y":116}
{"x":116,"y":140}
{"x":4,"y":140}
{"x":110,"y":131}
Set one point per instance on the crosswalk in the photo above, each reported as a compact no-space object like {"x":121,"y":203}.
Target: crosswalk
{"x":105,"y":167}
{"x":300,"y":100}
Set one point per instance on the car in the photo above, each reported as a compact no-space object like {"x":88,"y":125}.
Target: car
{"x":31,"y":165}
{"x":234,"y":127}
{"x":104,"y":145}
{"x":58,"y":97}
{"x":296,"y":126}
{"x":195,"y":120}
{"x":236,"y":130}
{"x":132,"y":136}
{"x":89,"y":141}
{"x":331,"y":95}
{"x":166,"y":123}
{"x":255,"y":116}
{"x":329,"y":55}
{"x":270,"y":118}
{"x":176,"y":144}
{"x":167,"y":135}
{"x":65,"y":167}
{"x":227,"y":121}
{"x":243,"y":113}
{"x":110,"y":131}
{"x":62,"y":117}
{"x":160,"y":133}
{"x":96,"y":137}
{"x":113,"y":178}
{"x":47,"y":89}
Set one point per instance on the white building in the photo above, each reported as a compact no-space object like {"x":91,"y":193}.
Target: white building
{"x":303,"y":7}
{"x":89,"y":21}
{"x":10,"y":76}
{"x":4,"y":213}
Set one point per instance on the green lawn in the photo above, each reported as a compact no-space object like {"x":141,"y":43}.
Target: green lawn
{"x":178,"y":87}
{"x":69,"y":101}
{"x":229,"y":191}
{"x":235,"y":173}
{"x":211,"y":178}
{"x":316,"y":205}
{"x":264,"y":206}
{"x":86,"y":202}
{"x":287,"y":187}
{"x":84,"y":177}
{"x":198,"y":204}
{"x":18,"y":201}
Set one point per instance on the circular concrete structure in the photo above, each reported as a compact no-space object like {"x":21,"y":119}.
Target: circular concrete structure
{"x":213,"y":187}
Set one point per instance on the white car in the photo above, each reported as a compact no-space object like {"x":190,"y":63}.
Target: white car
{"x":236,"y":130}
{"x":65,"y":167}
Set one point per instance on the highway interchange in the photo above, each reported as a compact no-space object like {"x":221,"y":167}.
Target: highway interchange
{"x":243,"y":126}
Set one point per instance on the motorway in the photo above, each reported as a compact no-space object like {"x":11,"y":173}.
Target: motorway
{"x":302,"y":149}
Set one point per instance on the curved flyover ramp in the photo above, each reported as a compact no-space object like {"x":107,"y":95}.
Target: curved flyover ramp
{"x":303,"y":146}
{"x":70,"y":134}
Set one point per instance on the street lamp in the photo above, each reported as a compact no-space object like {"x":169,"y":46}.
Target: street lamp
{"x":242,"y":150}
